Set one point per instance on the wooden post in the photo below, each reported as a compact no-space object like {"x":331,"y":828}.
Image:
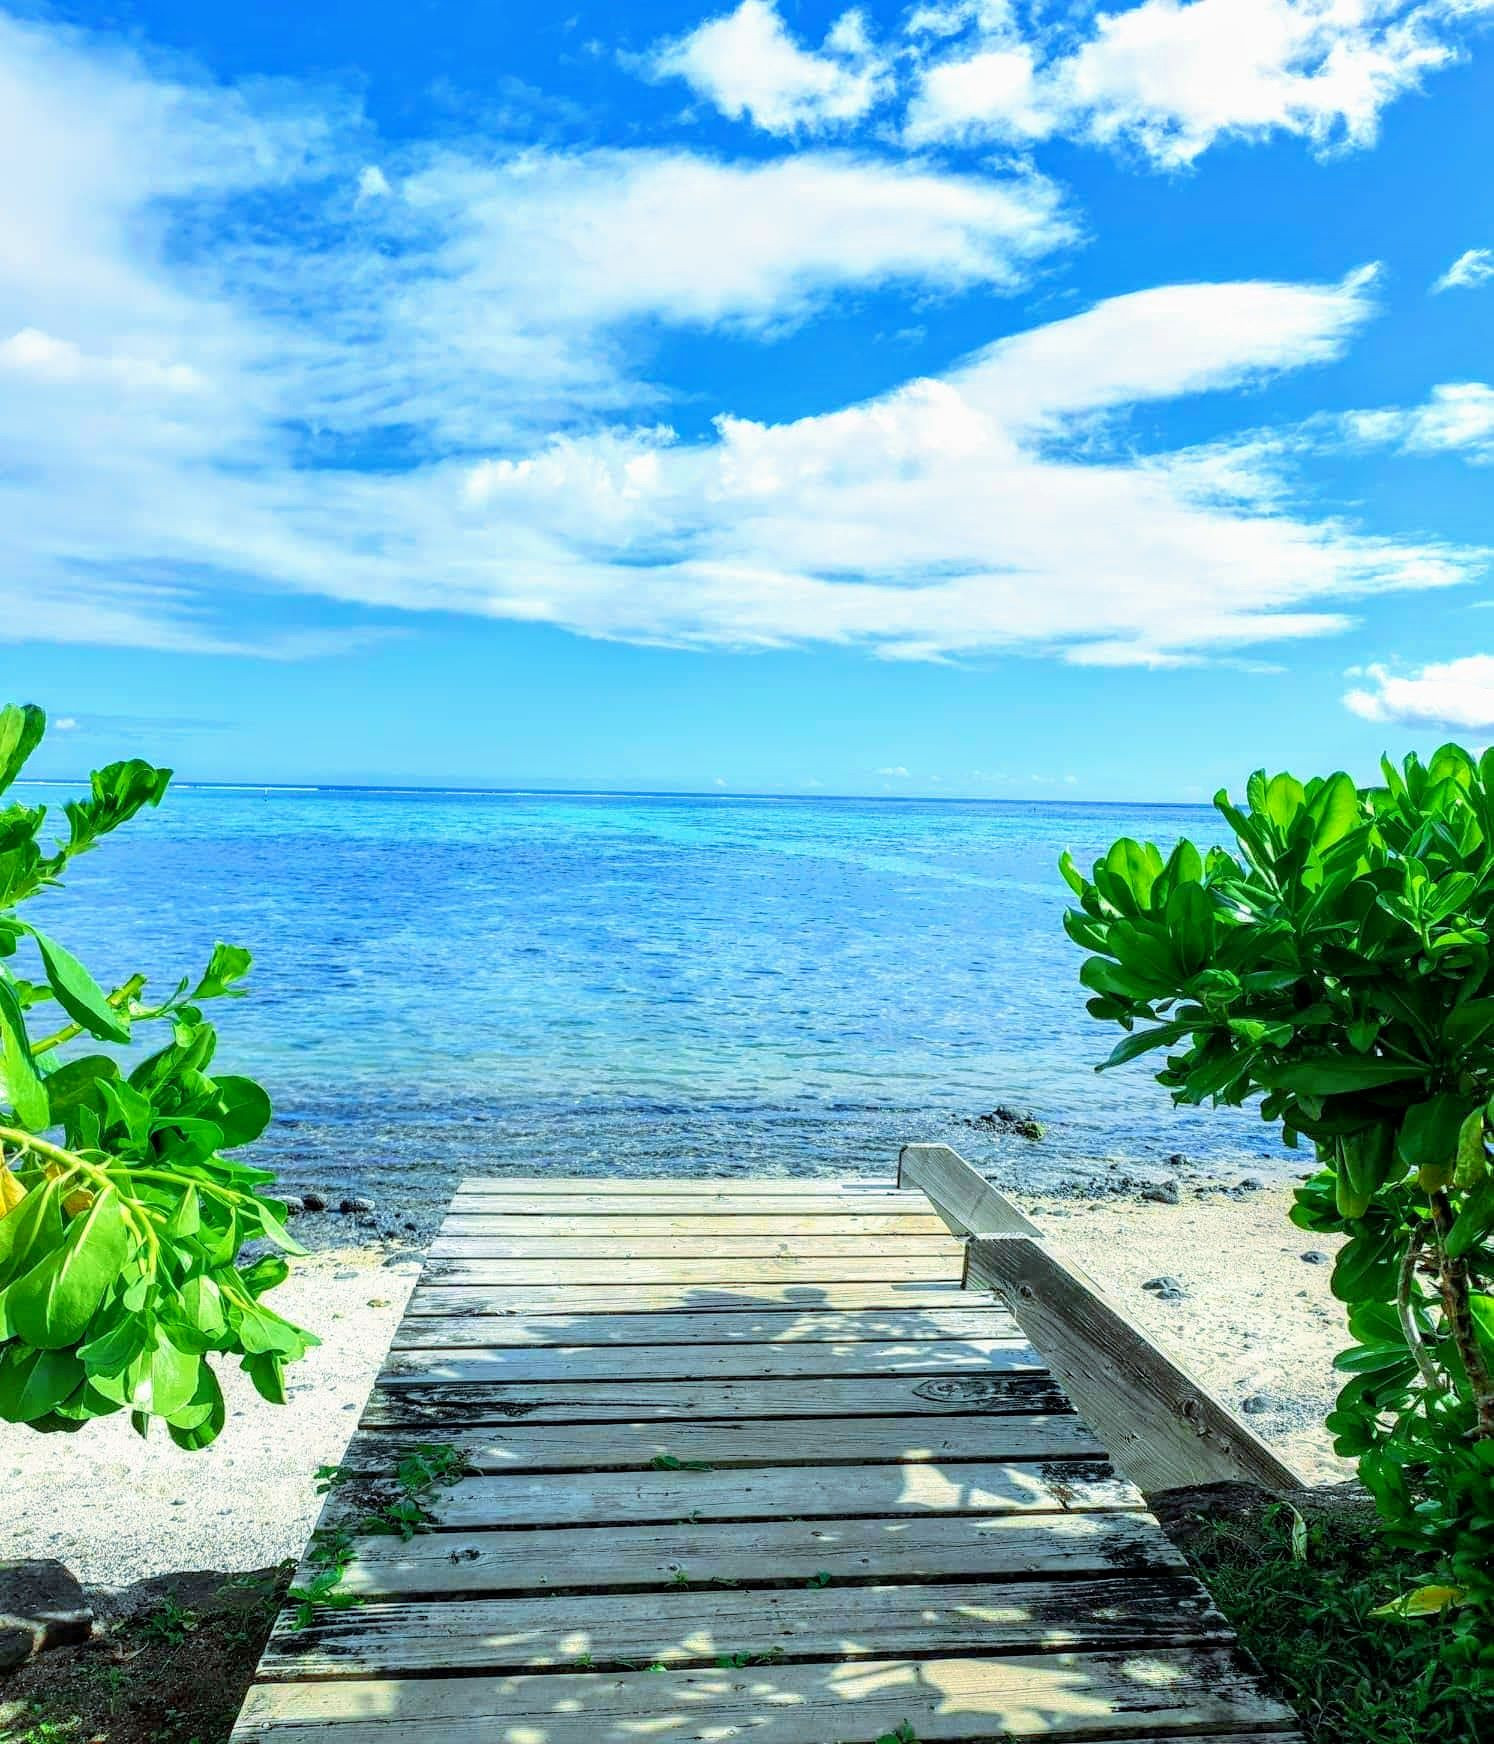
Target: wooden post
{"x":1163,"y":1427}
{"x":965,"y":1199}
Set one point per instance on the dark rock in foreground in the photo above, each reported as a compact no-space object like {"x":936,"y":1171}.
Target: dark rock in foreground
{"x":41,"y":1606}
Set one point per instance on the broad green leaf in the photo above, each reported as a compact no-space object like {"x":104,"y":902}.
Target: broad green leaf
{"x":1285,"y":798}
{"x":77,"y":1082}
{"x":32,"y":1229}
{"x":1472,"y":1165}
{"x":1334,"y":810}
{"x":116,"y":1343}
{"x":1072,"y":876}
{"x":51,"y":1305}
{"x":35,"y":1382}
{"x":20,"y":1082}
{"x":200,"y":1421}
{"x":267,"y":1371}
{"x":1337,"y":1074}
{"x":242,"y":1112}
{"x":228,"y":964}
{"x":1140,"y":1042}
{"x":79,"y":995}
{"x":1474,"y":1222}
{"x":21,"y":729}
{"x":1136,"y":866}
{"x":1428,"y":1138}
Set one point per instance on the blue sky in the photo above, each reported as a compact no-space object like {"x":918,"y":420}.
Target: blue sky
{"x":1001,"y":399}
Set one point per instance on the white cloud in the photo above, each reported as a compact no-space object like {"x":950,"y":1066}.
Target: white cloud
{"x":748,"y":66}
{"x":211,"y":321}
{"x":1455,"y":693}
{"x":227,"y":376}
{"x":66,"y":724}
{"x":1472,"y":268}
{"x":895,"y":770}
{"x":1171,"y":77}
{"x":991,"y":94}
{"x":1458,"y":417}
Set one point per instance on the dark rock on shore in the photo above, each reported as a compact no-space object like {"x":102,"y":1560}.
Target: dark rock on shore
{"x":313,"y":1202}
{"x":1161,"y":1193}
{"x":1004,"y":1119}
{"x":41,"y":1606}
{"x":1166,"y":1289}
{"x":356,"y":1207}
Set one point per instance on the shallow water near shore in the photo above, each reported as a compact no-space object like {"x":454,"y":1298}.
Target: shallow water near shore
{"x":453,"y":983}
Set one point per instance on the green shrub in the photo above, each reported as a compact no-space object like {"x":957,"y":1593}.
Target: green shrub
{"x":1339,"y":969}
{"x":121,"y":1220}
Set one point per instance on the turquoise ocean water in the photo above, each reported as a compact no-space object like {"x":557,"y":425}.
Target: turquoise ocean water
{"x":455,"y":982}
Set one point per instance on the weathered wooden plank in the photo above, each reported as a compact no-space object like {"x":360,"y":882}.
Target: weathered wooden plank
{"x":962,"y":1196}
{"x":450,"y":1406}
{"x":708,"y":1362}
{"x":1162,"y":1425}
{"x":742,"y":1442}
{"x":434,"y":1296}
{"x":814,"y":1326}
{"x":867,"y":1268}
{"x":946,"y":1701}
{"x":597,"y":1250}
{"x":763,"y":1493}
{"x":604,"y":1630}
{"x":929,"y":1547}
{"x":801,"y":1205}
{"x":689,"y":1186}
{"x":694,"y":1226}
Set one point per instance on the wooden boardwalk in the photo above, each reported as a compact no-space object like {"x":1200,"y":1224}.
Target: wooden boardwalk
{"x":745,"y":1462}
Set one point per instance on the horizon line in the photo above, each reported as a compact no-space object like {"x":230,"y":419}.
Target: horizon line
{"x":465,"y":790}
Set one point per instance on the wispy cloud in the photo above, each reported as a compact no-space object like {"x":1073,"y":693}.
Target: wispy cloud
{"x":1457,"y":694}
{"x":1457,"y":417}
{"x":1472,"y":268}
{"x":235,"y":366}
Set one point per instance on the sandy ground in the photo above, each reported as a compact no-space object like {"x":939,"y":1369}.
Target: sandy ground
{"x":117,"y":1509}
{"x":1256,"y":1320}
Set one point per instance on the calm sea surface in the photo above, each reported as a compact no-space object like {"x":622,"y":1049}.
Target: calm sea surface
{"x":449,"y":982}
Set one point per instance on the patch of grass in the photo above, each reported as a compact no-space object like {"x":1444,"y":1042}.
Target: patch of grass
{"x":1300,"y":1589}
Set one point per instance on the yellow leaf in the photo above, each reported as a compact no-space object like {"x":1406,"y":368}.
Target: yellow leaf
{"x":11,"y":1190}
{"x":78,"y":1200}
{"x":1423,"y":1602}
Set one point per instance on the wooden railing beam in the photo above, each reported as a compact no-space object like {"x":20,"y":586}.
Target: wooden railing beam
{"x":1163,"y":1427}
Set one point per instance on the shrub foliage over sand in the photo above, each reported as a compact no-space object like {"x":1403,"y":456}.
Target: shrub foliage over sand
{"x":121,"y":1217}
{"x":1338,"y":967}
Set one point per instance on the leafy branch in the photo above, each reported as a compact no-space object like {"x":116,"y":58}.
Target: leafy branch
{"x":1339,"y":970}
{"x":123,"y":1206}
